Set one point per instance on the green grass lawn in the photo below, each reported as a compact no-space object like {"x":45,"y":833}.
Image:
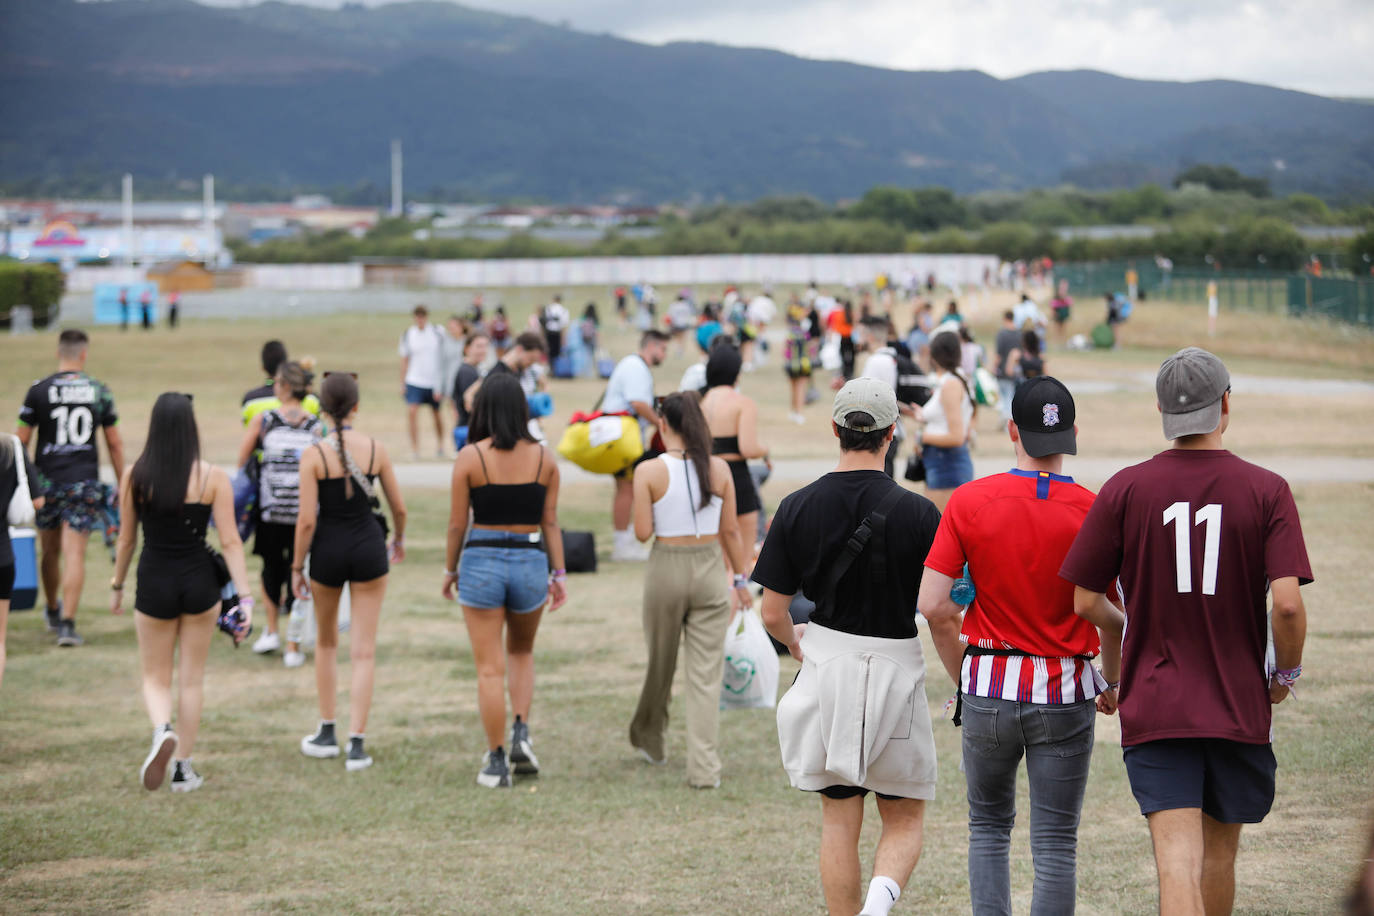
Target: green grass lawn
{"x":599,"y":831}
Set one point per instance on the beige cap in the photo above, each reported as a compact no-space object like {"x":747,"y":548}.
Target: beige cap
{"x":870,"y":396}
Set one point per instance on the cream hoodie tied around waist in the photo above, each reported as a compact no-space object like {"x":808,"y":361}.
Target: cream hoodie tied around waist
{"x":857,"y":716}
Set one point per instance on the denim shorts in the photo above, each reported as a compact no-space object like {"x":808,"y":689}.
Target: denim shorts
{"x":418,"y":396}
{"x":947,"y":468}
{"x":514,"y":578}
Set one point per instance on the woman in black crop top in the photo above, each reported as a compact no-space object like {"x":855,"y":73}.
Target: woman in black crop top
{"x":733,"y":420}
{"x":339,"y":524}
{"x":173,"y":494}
{"x":502,"y":573}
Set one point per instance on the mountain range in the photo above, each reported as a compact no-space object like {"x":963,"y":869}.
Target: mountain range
{"x":502,"y":106}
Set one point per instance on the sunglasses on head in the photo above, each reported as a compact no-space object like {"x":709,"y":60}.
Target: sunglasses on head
{"x":187,"y":395}
{"x":353,"y":375}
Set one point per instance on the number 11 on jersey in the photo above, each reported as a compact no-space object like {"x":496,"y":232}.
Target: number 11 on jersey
{"x":1178,"y":515}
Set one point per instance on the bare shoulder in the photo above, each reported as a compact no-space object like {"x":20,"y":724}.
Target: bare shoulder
{"x":720,"y":472}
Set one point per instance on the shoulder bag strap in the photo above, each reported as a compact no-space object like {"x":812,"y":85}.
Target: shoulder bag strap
{"x":21,"y":455}
{"x":876,"y":520}
{"x":356,"y":473}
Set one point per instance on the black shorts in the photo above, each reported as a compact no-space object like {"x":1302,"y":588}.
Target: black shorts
{"x":355,"y":554}
{"x":1230,"y":781}
{"x":746,"y":494}
{"x":840,"y":792}
{"x":276,"y":544}
{"x":171,"y":587}
{"x":6,"y":582}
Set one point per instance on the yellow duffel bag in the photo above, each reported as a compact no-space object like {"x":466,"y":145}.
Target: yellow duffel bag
{"x":602,"y":443}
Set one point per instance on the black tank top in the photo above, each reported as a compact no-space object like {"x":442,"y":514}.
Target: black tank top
{"x":725,"y":445}
{"x":336,"y":504}
{"x":178,"y":533}
{"x":508,"y":503}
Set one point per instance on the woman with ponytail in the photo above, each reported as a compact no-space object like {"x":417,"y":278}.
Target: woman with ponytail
{"x":341,"y":527}
{"x":685,"y":499}
{"x":948,"y":419}
{"x":281,"y":435}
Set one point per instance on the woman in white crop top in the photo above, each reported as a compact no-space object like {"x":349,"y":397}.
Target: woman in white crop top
{"x":948,"y":419}
{"x":686,"y":598}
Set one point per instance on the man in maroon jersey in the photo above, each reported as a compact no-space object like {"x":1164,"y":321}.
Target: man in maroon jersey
{"x":1197,"y":536}
{"x":1022,"y":660}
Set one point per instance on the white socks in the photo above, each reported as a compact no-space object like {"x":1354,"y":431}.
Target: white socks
{"x":882,"y":893}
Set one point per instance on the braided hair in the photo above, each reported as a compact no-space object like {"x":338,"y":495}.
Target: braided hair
{"x":338,"y":397}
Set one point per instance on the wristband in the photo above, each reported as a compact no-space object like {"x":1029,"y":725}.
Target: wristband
{"x":299,"y":569}
{"x":1287,"y":677}
{"x":1114,"y":685}
{"x":559,"y":573}
{"x":246,"y":600}
{"x":741,"y":581}
{"x":451,"y":572}
{"x":117,"y":587}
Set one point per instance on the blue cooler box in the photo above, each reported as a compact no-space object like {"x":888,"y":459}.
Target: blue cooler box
{"x":25,"y":593}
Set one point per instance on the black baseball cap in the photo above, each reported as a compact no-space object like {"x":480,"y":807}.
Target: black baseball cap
{"x":1043,"y":412}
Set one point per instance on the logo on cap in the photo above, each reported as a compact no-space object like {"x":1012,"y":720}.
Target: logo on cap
{"x":1049,"y":414}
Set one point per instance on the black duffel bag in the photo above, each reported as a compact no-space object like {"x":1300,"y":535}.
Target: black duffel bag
{"x":579,"y":551}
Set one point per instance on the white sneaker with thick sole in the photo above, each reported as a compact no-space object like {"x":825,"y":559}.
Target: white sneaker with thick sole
{"x":154,"y":769}
{"x":293,"y":659}
{"x":267,"y":642}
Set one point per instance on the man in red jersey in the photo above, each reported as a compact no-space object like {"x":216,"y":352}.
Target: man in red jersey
{"x":1023,"y":660}
{"x":1197,"y":537}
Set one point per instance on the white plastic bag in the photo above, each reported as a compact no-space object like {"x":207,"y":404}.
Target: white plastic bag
{"x":20,"y":510}
{"x":751,"y":665}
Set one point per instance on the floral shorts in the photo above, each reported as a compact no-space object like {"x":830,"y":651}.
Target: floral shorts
{"x":82,"y":506}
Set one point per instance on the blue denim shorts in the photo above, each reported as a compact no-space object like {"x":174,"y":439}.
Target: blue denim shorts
{"x":947,"y":468}
{"x":514,"y":578}
{"x":420,"y":397}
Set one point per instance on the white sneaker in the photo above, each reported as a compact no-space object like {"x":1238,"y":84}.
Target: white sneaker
{"x":267,"y":642}
{"x":154,"y":769}
{"x":796,"y":418}
{"x":185,"y":779}
{"x":293,"y":659}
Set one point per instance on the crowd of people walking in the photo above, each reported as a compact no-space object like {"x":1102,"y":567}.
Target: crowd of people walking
{"x":1023,"y":580}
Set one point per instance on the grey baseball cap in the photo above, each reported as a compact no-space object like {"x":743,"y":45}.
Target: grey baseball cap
{"x":875,"y":398}
{"x":1189,"y":387}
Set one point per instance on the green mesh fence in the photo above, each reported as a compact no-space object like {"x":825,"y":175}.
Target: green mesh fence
{"x":1335,"y":298}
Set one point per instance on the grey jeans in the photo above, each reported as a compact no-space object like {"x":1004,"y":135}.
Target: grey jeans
{"x":1057,"y":742}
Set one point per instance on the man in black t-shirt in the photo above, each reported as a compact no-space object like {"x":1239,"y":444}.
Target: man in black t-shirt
{"x":856,"y":717}
{"x":66,"y":409}
{"x":469,"y":373}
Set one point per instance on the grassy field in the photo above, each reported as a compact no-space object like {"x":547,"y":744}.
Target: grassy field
{"x":600,"y":832}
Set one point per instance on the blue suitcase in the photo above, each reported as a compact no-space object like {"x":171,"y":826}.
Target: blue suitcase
{"x":25,"y":593}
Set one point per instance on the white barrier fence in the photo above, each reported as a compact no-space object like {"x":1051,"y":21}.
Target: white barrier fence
{"x":303,"y":276}
{"x":825,"y":269}
{"x":949,"y":269}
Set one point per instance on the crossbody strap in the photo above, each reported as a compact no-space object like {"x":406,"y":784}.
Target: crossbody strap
{"x":873,"y":525}
{"x":356,"y":472}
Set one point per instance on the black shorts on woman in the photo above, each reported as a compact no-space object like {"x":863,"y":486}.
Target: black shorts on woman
{"x":349,"y":544}
{"x":746,"y":494}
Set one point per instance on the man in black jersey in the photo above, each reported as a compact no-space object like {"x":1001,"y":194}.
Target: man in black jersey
{"x":66,"y":408}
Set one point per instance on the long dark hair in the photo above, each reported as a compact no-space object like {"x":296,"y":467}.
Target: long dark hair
{"x":946,"y":351}
{"x":338,"y":397}
{"x":682,"y":410}
{"x":723,"y":364}
{"x":500,"y":412}
{"x":162,"y":473}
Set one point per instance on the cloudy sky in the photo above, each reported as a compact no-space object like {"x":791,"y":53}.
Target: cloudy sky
{"x":1323,"y":46}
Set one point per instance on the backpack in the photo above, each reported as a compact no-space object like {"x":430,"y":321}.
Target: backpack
{"x":911,"y":387}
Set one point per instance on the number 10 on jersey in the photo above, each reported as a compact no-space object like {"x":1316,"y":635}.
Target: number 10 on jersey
{"x":1178,"y":515}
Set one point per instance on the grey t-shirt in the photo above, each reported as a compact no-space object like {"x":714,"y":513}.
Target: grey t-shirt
{"x":1008,"y":339}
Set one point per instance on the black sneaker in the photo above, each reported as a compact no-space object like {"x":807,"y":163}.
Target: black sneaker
{"x":154,"y":768}
{"x":54,"y":615}
{"x":495,"y":773}
{"x":522,"y":758}
{"x":67,"y":635}
{"x":185,"y":779}
{"x":357,"y":757}
{"x":322,"y":744}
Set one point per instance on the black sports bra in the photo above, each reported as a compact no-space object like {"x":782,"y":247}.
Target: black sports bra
{"x":725,"y":445}
{"x":508,"y":503}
